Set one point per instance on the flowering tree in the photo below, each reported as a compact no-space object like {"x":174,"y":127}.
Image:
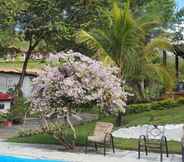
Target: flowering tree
{"x":72,"y":79}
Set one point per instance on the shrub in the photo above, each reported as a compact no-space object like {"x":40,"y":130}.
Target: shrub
{"x":180,"y":100}
{"x":156,"y":105}
{"x":2,"y":117}
{"x":163,"y":104}
{"x":18,"y":110}
{"x":29,"y":132}
{"x":138,"y":108}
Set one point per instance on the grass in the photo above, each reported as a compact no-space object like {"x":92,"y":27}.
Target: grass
{"x":123,"y":144}
{"x":131,"y":144}
{"x":18,"y":64}
{"x":35,"y":139}
{"x":174,"y":115}
{"x":82,"y":131}
{"x":161,"y":117}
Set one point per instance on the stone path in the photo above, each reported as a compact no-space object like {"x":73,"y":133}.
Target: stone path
{"x":52,"y":152}
{"x":34,"y":123}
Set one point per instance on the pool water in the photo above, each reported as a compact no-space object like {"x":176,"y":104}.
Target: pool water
{"x":17,"y":159}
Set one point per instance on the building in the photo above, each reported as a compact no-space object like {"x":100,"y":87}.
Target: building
{"x":9,"y":79}
{"x":5,"y":102}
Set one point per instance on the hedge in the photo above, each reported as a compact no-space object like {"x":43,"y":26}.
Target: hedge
{"x":156,"y":105}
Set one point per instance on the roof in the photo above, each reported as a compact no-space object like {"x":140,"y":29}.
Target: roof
{"x":5,"y":97}
{"x":179,"y":50}
{"x":32,"y":72}
{"x":13,"y":49}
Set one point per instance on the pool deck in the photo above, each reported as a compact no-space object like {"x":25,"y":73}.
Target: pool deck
{"x":54,"y":153}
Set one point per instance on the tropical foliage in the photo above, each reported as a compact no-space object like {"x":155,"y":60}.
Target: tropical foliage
{"x":128,"y":41}
{"x":125,"y":34}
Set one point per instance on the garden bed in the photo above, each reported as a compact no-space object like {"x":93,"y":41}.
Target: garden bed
{"x":161,"y":117}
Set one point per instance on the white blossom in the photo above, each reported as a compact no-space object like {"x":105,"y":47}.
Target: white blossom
{"x":77,"y":79}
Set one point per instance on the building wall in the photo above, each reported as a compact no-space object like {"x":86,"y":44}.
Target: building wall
{"x":7,"y":106}
{"x":8,"y":80}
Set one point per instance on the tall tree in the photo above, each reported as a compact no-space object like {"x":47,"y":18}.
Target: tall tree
{"x":163,"y":9}
{"x":77,"y":14}
{"x":124,"y":39}
{"x":84,"y":14}
{"x":7,"y":22}
{"x":37,"y":21}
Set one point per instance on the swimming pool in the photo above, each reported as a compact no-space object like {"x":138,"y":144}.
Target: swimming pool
{"x":20,"y":159}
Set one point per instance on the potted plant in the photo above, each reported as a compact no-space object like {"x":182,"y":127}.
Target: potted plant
{"x":8,"y":121}
{"x":2,"y":118}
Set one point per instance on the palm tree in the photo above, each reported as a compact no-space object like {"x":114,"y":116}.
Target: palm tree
{"x":123,"y":40}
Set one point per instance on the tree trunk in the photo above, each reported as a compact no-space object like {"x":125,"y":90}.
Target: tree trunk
{"x":24,"y":68}
{"x":57,"y":135}
{"x":44,"y":122}
{"x":71,"y":125}
{"x":119,"y":119}
{"x":140,"y":89}
{"x":177,"y":66}
{"x":164,"y":58}
{"x":63,"y":142}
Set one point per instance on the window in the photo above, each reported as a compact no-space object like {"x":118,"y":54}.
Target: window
{"x":1,"y":106}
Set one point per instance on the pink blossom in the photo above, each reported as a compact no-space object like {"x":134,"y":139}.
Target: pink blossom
{"x":76,"y":79}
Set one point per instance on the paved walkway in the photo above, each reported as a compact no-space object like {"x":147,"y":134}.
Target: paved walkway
{"x":34,"y":123}
{"x":56,"y":152}
{"x":53,"y":152}
{"x":173,"y":132}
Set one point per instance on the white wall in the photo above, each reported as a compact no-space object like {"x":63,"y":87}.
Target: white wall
{"x":8,"y":80}
{"x":7,"y":106}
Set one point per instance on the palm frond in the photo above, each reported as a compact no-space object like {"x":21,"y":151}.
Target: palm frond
{"x":92,"y":43}
{"x":160,"y":73}
{"x":157,"y":44}
{"x":123,"y":41}
{"x":149,"y":25}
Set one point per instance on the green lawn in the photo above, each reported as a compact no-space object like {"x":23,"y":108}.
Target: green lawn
{"x":123,"y":144}
{"x":175,"y":115}
{"x":161,"y":117}
{"x":18,"y":64}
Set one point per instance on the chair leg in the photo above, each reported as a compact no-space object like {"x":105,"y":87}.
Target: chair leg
{"x":139,"y":150}
{"x":166,"y":147}
{"x":86,"y":147}
{"x":112,"y":140}
{"x":182,"y":152}
{"x":96,"y":148}
{"x":146,"y":150}
{"x":161,"y":154}
{"x":104,"y":148}
{"x":145,"y":146}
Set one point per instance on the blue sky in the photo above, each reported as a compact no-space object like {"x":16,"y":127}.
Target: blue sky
{"x":179,"y":3}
